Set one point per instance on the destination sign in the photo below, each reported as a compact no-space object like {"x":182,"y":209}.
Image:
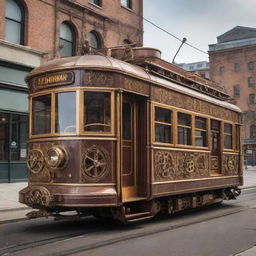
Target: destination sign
{"x":56,"y":79}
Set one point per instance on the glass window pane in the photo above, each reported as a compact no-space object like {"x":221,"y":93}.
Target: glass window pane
{"x":163,"y":115}
{"x":66,"y":48}
{"x":65,"y":113}
{"x":13,"y":11}
{"x":41,"y":114}
{"x":94,"y":41}
{"x":4,"y":131}
{"x":215,"y":125}
{"x":200,"y":138}
{"x":228,"y":128}
{"x":127,"y":129}
{"x":163,"y":133}
{"x":12,"y":31}
{"x":200,"y":123}
{"x":228,"y":141}
{"x":66,"y":32}
{"x":97,"y":111}
{"x":184,"y":136}
{"x":184,"y":119}
{"x":19,"y":137}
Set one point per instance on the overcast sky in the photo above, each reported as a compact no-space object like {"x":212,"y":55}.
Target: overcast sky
{"x":200,"y":21}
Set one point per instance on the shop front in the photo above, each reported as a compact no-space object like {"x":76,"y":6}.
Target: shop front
{"x":13,"y":122}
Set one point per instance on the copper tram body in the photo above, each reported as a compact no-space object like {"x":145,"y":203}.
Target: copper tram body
{"x":130,"y":140}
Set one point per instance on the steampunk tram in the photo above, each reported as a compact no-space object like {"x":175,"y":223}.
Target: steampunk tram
{"x":128,"y":135}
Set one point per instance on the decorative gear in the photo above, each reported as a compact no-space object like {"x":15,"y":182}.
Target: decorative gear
{"x":35,"y":160}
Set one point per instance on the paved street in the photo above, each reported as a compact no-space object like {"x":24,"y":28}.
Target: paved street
{"x":226,"y":229}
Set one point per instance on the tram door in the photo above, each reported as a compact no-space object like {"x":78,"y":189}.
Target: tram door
{"x":129,"y":137}
{"x":216,"y":149}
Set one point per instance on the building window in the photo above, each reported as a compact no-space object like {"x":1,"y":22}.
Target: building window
{"x":251,"y":66}
{"x":252,"y":98}
{"x":67,"y":45}
{"x":14,"y":22}
{"x":96,"y":2}
{"x":253,"y":131}
{"x":227,"y":136}
{"x":250,"y":81}
{"x":184,"y":129}
{"x":163,"y":125}
{"x":127,"y":41}
{"x":127,"y":3}
{"x":221,"y":70}
{"x":236,"y":91}
{"x":94,"y":40}
{"x":237,"y":67}
{"x":200,"y":131}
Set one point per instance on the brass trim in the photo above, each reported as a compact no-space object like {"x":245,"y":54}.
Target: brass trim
{"x":73,"y":184}
{"x":199,"y":179}
{"x":180,"y":149}
{"x":78,"y":138}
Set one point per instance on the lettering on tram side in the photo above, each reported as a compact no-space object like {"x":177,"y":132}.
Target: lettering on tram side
{"x":136,"y":86}
{"x":172,"y":165}
{"x":165,"y":96}
{"x":56,"y":79}
{"x":96,"y":78}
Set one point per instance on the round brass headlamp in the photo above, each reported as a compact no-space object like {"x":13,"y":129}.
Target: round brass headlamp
{"x":56,"y":157}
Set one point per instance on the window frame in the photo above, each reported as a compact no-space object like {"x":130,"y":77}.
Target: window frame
{"x":22,"y":23}
{"x":128,"y":5}
{"x":112,"y":112}
{"x":97,"y":37}
{"x":163,"y":123}
{"x":251,"y":66}
{"x":251,"y":81}
{"x":206,"y":130}
{"x":224,"y":134}
{"x":236,"y":91}
{"x":191,"y":127}
{"x":73,"y":42}
{"x":93,"y":3}
{"x":250,"y":99}
{"x":237,"y":67}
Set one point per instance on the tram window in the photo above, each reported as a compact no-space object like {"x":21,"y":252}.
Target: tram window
{"x":97,"y":117}
{"x":163,"y":125}
{"x":184,"y":129}
{"x":41,"y":114}
{"x":200,"y":131}
{"x":65,"y":114}
{"x":227,"y":136}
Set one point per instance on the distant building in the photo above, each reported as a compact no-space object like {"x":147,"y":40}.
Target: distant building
{"x":32,"y":32}
{"x":233,"y":65}
{"x":200,"y":68}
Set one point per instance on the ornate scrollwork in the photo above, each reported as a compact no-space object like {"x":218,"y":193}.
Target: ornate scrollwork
{"x":95,"y":164}
{"x":38,"y":196}
{"x":35,"y":160}
{"x":230,"y":164}
{"x":164,"y":165}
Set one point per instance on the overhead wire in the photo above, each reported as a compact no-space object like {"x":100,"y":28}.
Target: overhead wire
{"x":167,"y":32}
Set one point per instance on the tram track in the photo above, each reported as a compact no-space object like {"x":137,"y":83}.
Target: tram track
{"x":113,"y":235}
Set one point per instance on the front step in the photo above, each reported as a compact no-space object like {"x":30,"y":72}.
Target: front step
{"x":135,"y":217}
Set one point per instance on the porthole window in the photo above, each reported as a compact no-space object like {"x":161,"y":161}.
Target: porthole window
{"x":67,"y":45}
{"x":94,"y":40}
{"x":14,"y":22}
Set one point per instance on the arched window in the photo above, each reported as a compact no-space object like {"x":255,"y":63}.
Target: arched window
{"x":14,"y":22}
{"x":67,"y":44}
{"x":94,"y":40}
{"x":253,"y":131}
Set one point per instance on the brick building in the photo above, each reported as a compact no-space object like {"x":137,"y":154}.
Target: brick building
{"x":233,"y":65}
{"x":35,"y":31}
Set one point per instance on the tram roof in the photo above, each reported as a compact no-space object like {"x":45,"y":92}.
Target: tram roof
{"x":101,"y":62}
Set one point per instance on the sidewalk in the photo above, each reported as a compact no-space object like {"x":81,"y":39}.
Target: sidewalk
{"x":12,"y":210}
